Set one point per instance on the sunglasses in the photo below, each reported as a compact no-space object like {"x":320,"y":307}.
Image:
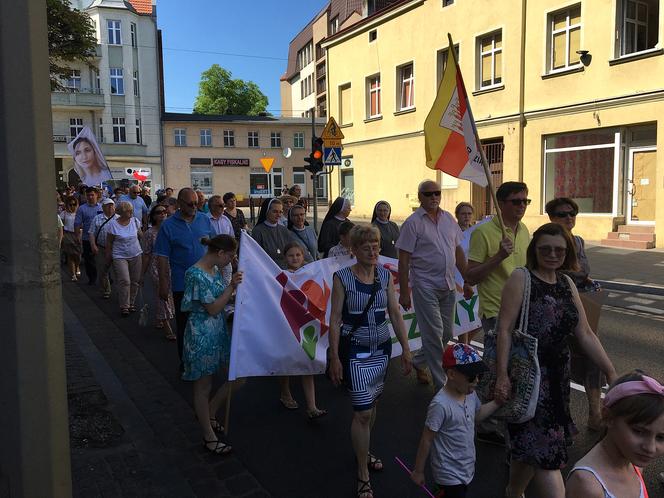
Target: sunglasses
{"x":557,"y":251}
{"x":564,"y":214}
{"x":517,"y":202}
{"x":159,"y":211}
{"x":432,"y":193}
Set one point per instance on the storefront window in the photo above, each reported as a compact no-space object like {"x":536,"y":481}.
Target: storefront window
{"x":582,"y":166}
{"x":201,"y":179}
{"x":259,"y":182}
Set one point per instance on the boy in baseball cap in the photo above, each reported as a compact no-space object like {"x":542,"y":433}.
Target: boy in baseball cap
{"x":450,"y":424}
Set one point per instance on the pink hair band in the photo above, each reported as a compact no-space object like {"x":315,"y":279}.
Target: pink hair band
{"x":647,"y":385}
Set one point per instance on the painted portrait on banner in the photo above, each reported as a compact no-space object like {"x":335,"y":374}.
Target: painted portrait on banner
{"x":89,"y":162}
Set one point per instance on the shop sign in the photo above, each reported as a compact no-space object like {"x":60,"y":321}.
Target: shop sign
{"x":223,"y":161}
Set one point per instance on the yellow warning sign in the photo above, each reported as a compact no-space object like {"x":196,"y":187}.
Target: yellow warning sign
{"x":332,"y":131}
{"x":267,"y":163}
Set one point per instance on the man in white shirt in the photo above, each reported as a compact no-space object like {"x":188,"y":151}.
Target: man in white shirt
{"x":220,"y":223}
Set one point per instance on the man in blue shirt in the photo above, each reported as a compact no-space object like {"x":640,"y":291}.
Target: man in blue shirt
{"x":84,"y":216}
{"x":179,"y":245}
{"x":140,"y":208}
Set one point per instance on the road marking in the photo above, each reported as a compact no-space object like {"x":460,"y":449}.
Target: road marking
{"x":646,"y":309}
{"x":626,"y":311}
{"x":638,"y":300}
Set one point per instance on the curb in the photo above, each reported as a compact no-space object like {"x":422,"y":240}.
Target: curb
{"x":634,"y":288}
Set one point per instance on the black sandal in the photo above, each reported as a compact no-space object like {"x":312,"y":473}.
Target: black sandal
{"x":374,"y":463}
{"x":216,"y":426}
{"x":219,"y":447}
{"x":364,"y":489}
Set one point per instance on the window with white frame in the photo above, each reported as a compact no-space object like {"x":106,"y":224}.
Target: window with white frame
{"x":73,"y":82}
{"x":114,"y":32}
{"x":406,"y":88}
{"x":117,"y":81}
{"x":442,"y":59}
{"x":252,"y":139}
{"x":229,"y":138}
{"x":373,"y":96}
{"x":136,"y":83}
{"x":564,"y":40}
{"x":206,"y":137}
{"x":305,"y":55}
{"x":582,"y":166}
{"x":637,"y":26}
{"x":97,"y":79}
{"x":139,"y":137}
{"x":490,"y":58}
{"x":201,"y":179}
{"x":75,"y":126}
{"x":101,"y":130}
{"x":275,"y":139}
{"x":119,"y":131}
{"x":180,"y":137}
{"x":134,"y":35}
{"x":298,"y":140}
{"x":334,"y":25}
{"x":345,"y":116}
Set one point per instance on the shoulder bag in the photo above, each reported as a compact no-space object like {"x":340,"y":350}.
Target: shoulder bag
{"x":522,"y":367}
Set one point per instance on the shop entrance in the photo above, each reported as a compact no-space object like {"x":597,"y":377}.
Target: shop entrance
{"x":641,"y":185}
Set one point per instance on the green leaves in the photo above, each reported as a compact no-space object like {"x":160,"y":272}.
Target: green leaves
{"x":219,"y":93}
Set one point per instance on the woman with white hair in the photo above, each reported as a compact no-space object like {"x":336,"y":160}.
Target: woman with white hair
{"x":123,"y":250}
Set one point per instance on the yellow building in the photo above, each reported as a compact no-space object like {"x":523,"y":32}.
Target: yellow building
{"x":219,"y":154}
{"x":566,"y":95}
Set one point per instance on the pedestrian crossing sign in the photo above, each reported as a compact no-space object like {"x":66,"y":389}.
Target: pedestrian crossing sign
{"x":332,"y":156}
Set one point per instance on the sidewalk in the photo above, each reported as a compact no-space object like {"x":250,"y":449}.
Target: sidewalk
{"x":131,"y":434}
{"x":627,"y":266}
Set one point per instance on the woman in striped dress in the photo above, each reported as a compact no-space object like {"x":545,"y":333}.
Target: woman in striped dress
{"x":360,"y":342}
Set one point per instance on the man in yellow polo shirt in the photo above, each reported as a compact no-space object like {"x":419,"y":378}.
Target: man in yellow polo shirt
{"x":492,"y":258}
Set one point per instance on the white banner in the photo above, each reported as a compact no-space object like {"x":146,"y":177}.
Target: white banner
{"x":280,"y":322}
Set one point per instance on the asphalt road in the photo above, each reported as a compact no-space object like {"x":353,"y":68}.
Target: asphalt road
{"x":293,"y":457}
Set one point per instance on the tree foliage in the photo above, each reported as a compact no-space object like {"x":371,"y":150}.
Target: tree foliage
{"x":71,"y":38}
{"x":219,"y":93}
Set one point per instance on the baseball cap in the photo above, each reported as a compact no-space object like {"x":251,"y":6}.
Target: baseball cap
{"x":465,"y":359}
{"x":107,"y":201}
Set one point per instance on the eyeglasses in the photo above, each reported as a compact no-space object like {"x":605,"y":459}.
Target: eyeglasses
{"x":557,"y":251}
{"x":159,"y":211}
{"x":564,"y":214}
{"x":431,"y":193}
{"x":517,"y":202}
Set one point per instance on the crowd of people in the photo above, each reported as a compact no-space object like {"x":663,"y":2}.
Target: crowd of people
{"x":188,"y":246}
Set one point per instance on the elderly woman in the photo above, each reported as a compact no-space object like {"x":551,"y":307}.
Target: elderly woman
{"x":288,"y":201}
{"x":71,"y":245}
{"x":563,"y":211}
{"x":389,"y":231}
{"x":464,"y":214}
{"x":360,"y":344}
{"x":302,"y":233}
{"x":329,"y":230}
{"x":123,"y":250}
{"x":539,"y":446}
{"x":235,"y":215}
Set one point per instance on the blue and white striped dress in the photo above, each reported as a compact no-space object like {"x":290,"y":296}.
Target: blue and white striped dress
{"x":371,"y":345}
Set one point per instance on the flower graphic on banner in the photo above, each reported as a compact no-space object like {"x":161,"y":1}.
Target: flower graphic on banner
{"x":305,"y":308}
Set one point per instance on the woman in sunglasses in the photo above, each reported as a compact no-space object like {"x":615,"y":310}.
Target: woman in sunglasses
{"x":563,"y":211}
{"x":539,"y":446}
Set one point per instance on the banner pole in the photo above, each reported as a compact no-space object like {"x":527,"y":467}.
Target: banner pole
{"x":227,"y":418}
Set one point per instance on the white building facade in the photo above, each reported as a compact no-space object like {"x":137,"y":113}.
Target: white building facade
{"x":119,"y":98}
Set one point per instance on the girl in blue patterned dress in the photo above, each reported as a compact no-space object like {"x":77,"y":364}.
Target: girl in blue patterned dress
{"x":206,"y":339}
{"x":360,"y":344}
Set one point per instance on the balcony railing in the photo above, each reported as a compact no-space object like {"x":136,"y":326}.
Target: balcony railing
{"x":78,"y":97}
{"x":321,"y":71}
{"x":320,"y":52}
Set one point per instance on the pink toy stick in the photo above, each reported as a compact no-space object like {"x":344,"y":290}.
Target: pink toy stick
{"x":409,"y":472}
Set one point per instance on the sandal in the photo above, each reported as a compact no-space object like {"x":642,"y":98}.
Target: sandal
{"x":124,"y":311}
{"x":132,"y":308}
{"x":317,"y":413}
{"x":289,"y":404}
{"x":170,"y":336}
{"x":374,"y":463}
{"x":216,"y":426}
{"x":219,"y":447}
{"x":364,"y":491}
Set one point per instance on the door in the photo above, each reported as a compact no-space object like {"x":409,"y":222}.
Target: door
{"x":300,"y":178}
{"x":641,"y":186}
{"x":348,"y":185}
{"x":277,"y":182}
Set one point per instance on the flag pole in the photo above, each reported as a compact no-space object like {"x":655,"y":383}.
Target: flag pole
{"x":478,"y":144}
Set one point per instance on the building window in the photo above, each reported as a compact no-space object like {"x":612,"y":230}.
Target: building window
{"x":447,"y":2}
{"x":252,"y":139}
{"x":114,"y":32}
{"x":275,"y":139}
{"x":206,"y":138}
{"x":373,"y":34}
{"x":101,"y":130}
{"x":305,"y":55}
{"x":344,"y":105}
{"x":75,"y":127}
{"x":138,"y":132}
{"x":490,"y":56}
{"x":73,"y":82}
{"x":119,"y":131}
{"x":298,"y":140}
{"x":306,"y":86}
{"x":201,"y":179}
{"x":117,"y":81}
{"x":229,"y":138}
{"x":637,"y":26}
{"x":136,"y":83}
{"x":180,"y":137}
{"x":373,"y":96}
{"x":441,"y":62}
{"x":134,"y":35}
{"x":581,"y":166}
{"x":334,"y":25}
{"x":97,"y":80}
{"x":406,"y":88}
{"x":564,"y":38}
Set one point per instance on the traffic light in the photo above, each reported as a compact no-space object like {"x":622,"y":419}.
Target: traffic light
{"x":315,"y":159}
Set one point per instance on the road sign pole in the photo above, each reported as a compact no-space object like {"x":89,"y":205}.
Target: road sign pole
{"x":314,"y":176}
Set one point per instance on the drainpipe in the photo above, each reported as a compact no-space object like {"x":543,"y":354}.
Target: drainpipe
{"x":522,"y":86}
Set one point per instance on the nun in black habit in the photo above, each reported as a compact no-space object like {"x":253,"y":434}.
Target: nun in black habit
{"x":329,"y":230}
